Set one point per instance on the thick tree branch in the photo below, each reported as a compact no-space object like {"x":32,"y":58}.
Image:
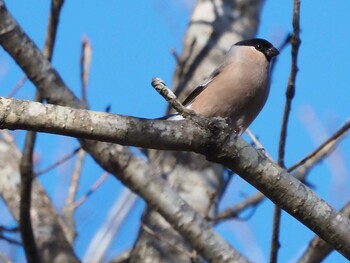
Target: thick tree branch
{"x":100,"y":126}
{"x":280,"y":187}
{"x":318,"y":249}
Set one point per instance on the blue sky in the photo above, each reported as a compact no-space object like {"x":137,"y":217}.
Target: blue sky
{"x":131,"y":43}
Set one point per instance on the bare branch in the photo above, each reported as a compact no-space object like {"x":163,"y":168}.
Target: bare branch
{"x":233,"y":152}
{"x":295,"y":40}
{"x":275,"y":243}
{"x":9,"y":229}
{"x":93,"y":189}
{"x":10,"y":240}
{"x":72,"y":191}
{"x":27,"y":175}
{"x":233,"y":212}
{"x":85,"y":66}
{"x":325,"y":147}
{"x":18,"y":85}
{"x":50,"y":41}
{"x":91,"y":125}
{"x":59,"y":162}
{"x":258,"y":144}
{"x":175,"y":55}
{"x":170,"y":97}
{"x":318,"y":249}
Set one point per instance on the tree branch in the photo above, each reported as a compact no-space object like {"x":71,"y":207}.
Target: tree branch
{"x":27,"y":175}
{"x":170,"y":97}
{"x":318,"y":249}
{"x":283,"y":189}
{"x":295,"y":40}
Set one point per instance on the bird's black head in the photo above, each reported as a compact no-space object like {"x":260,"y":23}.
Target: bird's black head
{"x":261,"y":45}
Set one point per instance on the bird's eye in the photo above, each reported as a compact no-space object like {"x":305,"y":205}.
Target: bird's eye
{"x":258,"y":47}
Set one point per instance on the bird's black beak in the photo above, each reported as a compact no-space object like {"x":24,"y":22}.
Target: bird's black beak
{"x":272,"y":52}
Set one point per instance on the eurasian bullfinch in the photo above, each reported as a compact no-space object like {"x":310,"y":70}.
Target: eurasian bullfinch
{"x":238,"y":88}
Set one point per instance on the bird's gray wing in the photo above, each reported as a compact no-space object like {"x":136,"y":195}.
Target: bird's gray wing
{"x":202,"y":87}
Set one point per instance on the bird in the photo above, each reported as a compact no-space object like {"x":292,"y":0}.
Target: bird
{"x":238,"y":88}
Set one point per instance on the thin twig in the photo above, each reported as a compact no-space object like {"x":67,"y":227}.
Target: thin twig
{"x":51,"y":34}
{"x":234,"y":211}
{"x":227,"y":181}
{"x":275,"y":243}
{"x":170,"y":97}
{"x":212,"y":198}
{"x":93,"y":189}
{"x":295,"y":41}
{"x":18,"y":85}
{"x":280,"y":48}
{"x":75,"y":178}
{"x":331,"y":140}
{"x":200,"y":120}
{"x":175,"y":55}
{"x":72,"y":191}
{"x":10,"y":240}
{"x":258,"y":144}
{"x":9,"y":229}
{"x":85,"y":66}
{"x":59,"y":162}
